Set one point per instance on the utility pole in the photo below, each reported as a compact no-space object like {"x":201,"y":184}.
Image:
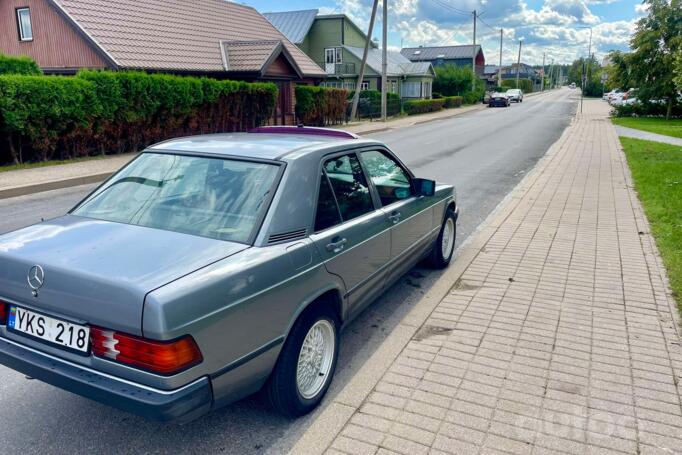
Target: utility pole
{"x":473,"y":58}
{"x":518,"y":64}
{"x":542,"y":82}
{"x":361,"y":76}
{"x":384,"y":63}
{"x":499,"y":70}
{"x":589,"y":54}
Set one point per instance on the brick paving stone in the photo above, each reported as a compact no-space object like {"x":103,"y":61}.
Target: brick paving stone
{"x":579,"y":353}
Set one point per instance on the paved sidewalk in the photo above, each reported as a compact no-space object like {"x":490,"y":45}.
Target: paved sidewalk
{"x":647,"y":136}
{"x":34,"y":180}
{"x":560,"y":335}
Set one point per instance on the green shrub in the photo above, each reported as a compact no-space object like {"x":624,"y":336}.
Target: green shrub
{"x":524,"y":84}
{"x":319,"y":105}
{"x":97,"y":112}
{"x":18,"y":65}
{"x":369,"y":104}
{"x":422,"y":106}
{"x":647,"y":110}
{"x":453,"y":101}
{"x":436,"y":95}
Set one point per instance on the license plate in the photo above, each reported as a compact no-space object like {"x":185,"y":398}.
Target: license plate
{"x":52,"y":330}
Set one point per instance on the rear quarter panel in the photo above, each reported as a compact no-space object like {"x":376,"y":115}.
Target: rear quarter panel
{"x":241,"y":304}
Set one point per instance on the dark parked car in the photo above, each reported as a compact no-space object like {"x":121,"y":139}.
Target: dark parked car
{"x":212,"y":266}
{"x":499,"y":99}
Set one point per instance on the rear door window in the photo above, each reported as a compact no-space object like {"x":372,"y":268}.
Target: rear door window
{"x":327,"y":214}
{"x":349,"y":185}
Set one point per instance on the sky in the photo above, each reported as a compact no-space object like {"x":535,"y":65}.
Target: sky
{"x":558,"y":28}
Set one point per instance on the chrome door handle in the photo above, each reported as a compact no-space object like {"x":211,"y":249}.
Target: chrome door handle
{"x":337,"y":246}
{"x":395,"y":217}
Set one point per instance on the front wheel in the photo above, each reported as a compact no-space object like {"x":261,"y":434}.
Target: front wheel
{"x":306,"y":364}
{"x":444,"y":246}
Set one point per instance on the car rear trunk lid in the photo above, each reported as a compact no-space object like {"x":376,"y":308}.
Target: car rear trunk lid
{"x":99,"y":272}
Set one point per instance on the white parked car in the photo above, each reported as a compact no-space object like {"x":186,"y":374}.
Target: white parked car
{"x":515,"y":94}
{"x":609,"y":95}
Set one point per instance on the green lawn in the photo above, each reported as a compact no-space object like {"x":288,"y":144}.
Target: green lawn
{"x":671,"y":127}
{"x":15,"y":167}
{"x":657,"y":171}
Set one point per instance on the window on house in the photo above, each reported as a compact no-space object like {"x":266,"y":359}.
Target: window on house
{"x":24,"y":24}
{"x":349,"y":85}
{"x":410,"y":90}
{"x":426,"y":89}
{"x":364,"y":85}
{"x":333,"y":55}
{"x":394,"y":87}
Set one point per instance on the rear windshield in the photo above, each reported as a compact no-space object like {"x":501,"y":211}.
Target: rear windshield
{"x":211,"y":197}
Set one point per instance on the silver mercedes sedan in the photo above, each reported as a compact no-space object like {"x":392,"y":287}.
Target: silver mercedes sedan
{"x":213,"y":266}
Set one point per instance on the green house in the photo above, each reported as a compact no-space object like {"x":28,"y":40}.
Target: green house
{"x":336,"y":44}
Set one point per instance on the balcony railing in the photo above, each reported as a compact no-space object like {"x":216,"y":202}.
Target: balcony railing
{"x":340,"y":68}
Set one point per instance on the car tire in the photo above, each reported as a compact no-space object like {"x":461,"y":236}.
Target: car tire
{"x":285,"y":393}
{"x":441,"y":254}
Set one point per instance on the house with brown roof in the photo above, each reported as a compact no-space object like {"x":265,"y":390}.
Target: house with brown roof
{"x":189,"y":37}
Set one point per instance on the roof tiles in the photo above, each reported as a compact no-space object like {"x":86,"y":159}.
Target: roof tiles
{"x":180,"y":35}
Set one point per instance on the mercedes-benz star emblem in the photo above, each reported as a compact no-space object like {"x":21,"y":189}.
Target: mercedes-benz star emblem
{"x":36,"y":278}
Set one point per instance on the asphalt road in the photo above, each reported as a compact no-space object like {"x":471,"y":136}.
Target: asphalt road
{"x":484,"y":153}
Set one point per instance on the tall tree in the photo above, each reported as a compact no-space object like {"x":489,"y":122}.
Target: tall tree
{"x":678,"y":70}
{"x":655,"y":44}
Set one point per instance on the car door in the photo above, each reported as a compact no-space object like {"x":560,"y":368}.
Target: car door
{"x":410,"y":215}
{"x":351,"y":234}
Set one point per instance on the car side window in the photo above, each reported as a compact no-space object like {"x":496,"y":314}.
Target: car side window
{"x":390,"y":179}
{"x":327,"y":214}
{"x":349,"y":186}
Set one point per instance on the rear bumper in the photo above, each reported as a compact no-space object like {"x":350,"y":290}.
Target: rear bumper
{"x":184,"y":404}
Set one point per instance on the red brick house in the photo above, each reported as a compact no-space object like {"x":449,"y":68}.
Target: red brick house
{"x":192,"y":37}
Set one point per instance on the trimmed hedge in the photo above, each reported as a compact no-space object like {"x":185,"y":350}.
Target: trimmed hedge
{"x":18,"y":65}
{"x":104,"y":112}
{"x":422,"y":106}
{"x":453,"y":101}
{"x":320,"y":106}
{"x":646,"y":110}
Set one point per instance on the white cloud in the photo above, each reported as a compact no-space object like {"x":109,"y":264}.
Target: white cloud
{"x":642,"y":8}
{"x":557,"y":27}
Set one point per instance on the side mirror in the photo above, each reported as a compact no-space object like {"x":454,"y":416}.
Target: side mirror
{"x":424,"y":187}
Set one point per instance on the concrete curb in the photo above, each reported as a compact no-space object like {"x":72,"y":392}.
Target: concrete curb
{"x":324,"y":429}
{"x":53,"y":185}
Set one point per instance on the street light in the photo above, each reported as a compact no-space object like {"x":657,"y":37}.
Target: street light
{"x":582,"y":76}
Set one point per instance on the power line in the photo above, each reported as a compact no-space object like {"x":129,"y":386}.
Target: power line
{"x":452,"y":8}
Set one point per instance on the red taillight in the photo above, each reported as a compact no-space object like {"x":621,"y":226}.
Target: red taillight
{"x":4,"y":310}
{"x":165,"y":357}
